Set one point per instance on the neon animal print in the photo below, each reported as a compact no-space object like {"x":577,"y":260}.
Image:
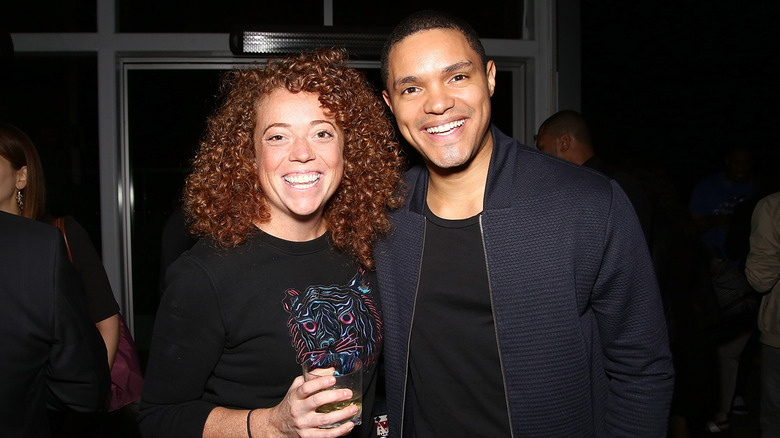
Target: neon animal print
{"x":336,"y":318}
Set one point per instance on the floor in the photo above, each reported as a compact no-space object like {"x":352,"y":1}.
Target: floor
{"x":741,"y":426}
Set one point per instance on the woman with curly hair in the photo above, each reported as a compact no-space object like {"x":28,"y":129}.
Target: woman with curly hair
{"x":289,"y":190}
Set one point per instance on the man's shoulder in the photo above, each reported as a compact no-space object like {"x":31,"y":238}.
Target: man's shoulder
{"x":506,"y":146}
{"x":530,"y":165}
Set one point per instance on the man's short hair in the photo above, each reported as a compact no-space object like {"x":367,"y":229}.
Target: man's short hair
{"x":427,"y":20}
{"x":567,"y":122}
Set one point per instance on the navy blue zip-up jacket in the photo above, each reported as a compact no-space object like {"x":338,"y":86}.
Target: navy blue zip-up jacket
{"x":581,"y":331}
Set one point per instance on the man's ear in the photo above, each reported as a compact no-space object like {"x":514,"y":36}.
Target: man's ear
{"x":21,"y":178}
{"x":387,"y":100}
{"x":564,"y":142}
{"x":490,"y":72}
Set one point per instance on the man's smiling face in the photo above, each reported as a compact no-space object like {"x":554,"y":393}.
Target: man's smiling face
{"x":439,"y":92}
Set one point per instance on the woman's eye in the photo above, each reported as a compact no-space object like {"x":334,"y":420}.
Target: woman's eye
{"x":324,"y":134}
{"x":275,"y":138}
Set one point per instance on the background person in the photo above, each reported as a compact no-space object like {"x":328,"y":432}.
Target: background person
{"x":762,"y":269}
{"x":289,"y":190}
{"x":714,"y":198}
{"x":712,"y":205}
{"x":28,"y":199}
{"x":52,"y":355}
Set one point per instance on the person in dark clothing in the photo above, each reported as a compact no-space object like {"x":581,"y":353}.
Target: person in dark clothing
{"x":30,"y":201}
{"x":52,"y":355}
{"x":289,"y":190}
{"x":712,"y":205}
{"x":174,"y":240}
{"x":517,"y":289}
{"x":566,"y":135}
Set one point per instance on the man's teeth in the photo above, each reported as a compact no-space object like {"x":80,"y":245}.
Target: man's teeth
{"x":302,"y":180}
{"x":445,"y":128}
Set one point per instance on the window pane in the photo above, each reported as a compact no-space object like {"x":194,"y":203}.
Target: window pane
{"x":46,"y":16}
{"x":492,"y":19}
{"x":54,"y":100}
{"x":501,"y":103}
{"x":167,"y":116}
{"x":166,"y":16}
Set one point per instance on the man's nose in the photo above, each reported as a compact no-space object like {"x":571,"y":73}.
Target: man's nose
{"x":438,"y":100}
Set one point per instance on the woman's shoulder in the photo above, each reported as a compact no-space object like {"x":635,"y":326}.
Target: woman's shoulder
{"x":212,"y":256}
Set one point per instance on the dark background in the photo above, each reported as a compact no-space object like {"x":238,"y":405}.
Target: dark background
{"x":679,"y":82}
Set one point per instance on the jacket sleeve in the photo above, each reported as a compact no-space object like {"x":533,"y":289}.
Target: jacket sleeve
{"x":77,"y":377}
{"x":187,"y":344}
{"x":632,"y":327}
{"x":762,"y":266}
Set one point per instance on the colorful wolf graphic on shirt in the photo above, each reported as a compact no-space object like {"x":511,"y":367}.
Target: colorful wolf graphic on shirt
{"x":336,"y":318}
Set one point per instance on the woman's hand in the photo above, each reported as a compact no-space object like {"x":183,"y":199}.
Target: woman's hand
{"x":295,"y":416}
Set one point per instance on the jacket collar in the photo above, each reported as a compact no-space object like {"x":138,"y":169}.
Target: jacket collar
{"x":499,"y":180}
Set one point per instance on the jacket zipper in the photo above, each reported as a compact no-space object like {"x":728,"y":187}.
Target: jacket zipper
{"x":495,"y":329}
{"x":411,"y":325}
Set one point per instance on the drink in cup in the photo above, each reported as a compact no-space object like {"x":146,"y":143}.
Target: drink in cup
{"x":347,"y":368}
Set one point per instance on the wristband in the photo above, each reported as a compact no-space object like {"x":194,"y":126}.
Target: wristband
{"x":248,"y":429}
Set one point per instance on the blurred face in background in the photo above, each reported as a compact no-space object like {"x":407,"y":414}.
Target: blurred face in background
{"x":739,"y":166}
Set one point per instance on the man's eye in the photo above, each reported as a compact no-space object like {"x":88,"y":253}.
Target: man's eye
{"x":459,"y":77}
{"x":409,"y":90}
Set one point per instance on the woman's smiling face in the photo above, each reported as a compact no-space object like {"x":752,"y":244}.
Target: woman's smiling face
{"x":299,"y":152}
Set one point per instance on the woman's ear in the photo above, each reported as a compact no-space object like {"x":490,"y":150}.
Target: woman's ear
{"x":21,"y":178}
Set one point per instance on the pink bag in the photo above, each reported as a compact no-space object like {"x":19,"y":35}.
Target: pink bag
{"x":127,"y":381}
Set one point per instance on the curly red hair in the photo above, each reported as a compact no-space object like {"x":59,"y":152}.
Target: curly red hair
{"x":222,"y":196}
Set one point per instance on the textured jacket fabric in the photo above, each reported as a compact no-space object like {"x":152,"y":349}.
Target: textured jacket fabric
{"x":581,"y":332}
{"x":51,"y":354}
{"x":762,"y":267}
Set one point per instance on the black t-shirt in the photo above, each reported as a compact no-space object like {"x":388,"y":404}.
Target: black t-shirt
{"x":235,"y":324}
{"x":101,"y":303}
{"x":454,"y":364}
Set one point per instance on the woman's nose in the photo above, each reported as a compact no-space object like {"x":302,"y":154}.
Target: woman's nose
{"x":301,"y":151}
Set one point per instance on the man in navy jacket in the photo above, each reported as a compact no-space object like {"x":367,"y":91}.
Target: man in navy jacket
{"x":51,"y":354}
{"x":518,"y":293}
